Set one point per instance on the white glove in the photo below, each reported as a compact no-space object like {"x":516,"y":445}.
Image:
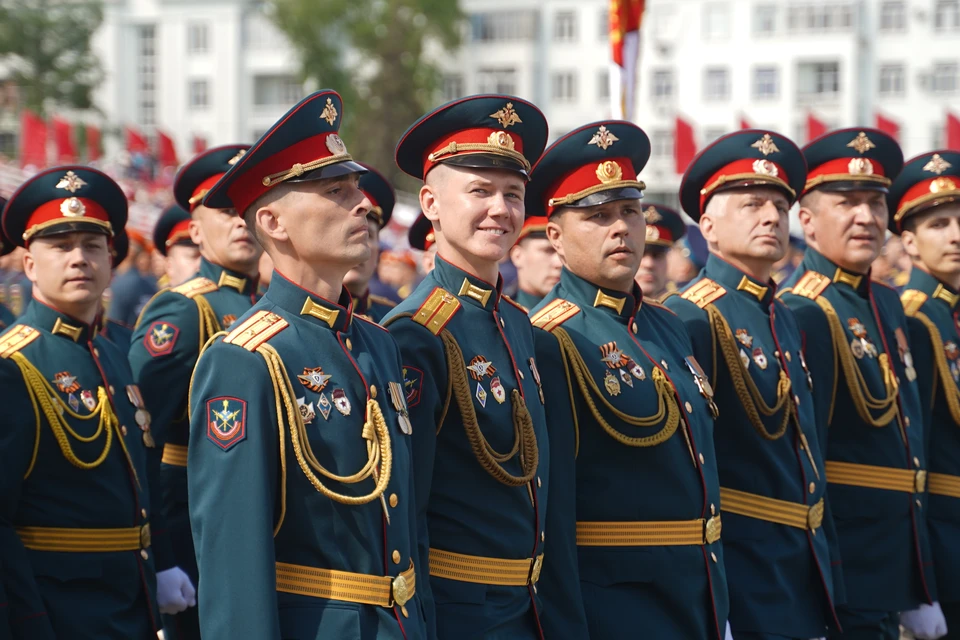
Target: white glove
{"x":175,"y":592}
{"x":727,"y":635}
{"x":926,"y":623}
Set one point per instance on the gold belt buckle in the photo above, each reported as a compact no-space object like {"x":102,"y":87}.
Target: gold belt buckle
{"x":535,"y":570}
{"x":401,"y":591}
{"x":815,"y":516}
{"x":920,"y":481}
{"x":145,"y":536}
{"x":711,"y":529}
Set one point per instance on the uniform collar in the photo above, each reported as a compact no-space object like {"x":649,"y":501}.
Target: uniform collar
{"x":309,"y":306}
{"x":223,"y":277}
{"x":41,"y":316}
{"x":816,"y":261}
{"x":735,"y":280}
{"x":920,"y":280}
{"x":468,"y":288}
{"x":586,"y":294}
{"x":527,"y":300}
{"x":361,"y":303}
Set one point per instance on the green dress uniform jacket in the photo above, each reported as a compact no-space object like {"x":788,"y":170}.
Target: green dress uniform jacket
{"x":300,"y":477}
{"x":855,"y":340}
{"x":74,"y":503}
{"x":932,"y":311}
{"x":779,"y":540}
{"x":634,"y":524}
{"x":480,"y":442}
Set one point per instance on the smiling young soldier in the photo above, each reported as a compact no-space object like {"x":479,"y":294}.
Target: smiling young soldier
{"x":538,"y":265}
{"x":165,"y":346}
{"x":925,"y":203}
{"x":357,"y":281}
{"x":626,"y":411}
{"x":776,"y":533}
{"x":665,"y":227}
{"x":74,"y":511}
{"x":470,"y":373}
{"x":300,"y":458}
{"x":865,"y":395}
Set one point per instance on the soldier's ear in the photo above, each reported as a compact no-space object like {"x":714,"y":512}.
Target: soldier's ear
{"x":909,"y":241}
{"x":555,"y":235}
{"x":428,"y":203}
{"x":805,"y":216}
{"x":268,"y":225}
{"x":29,"y":266}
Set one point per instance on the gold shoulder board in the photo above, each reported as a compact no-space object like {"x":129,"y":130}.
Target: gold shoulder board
{"x":439,"y":307}
{"x":811,"y":285}
{"x":256,"y":330}
{"x":554,"y":314}
{"x":387,"y":302}
{"x":704,"y":292}
{"x":195,"y":287}
{"x":19,"y":336}
{"x":912,"y":301}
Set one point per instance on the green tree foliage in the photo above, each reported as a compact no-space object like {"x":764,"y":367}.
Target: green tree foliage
{"x":375,"y":54}
{"x":46,"y":45}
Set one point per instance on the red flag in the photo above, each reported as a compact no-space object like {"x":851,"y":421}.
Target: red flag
{"x":953,"y":131}
{"x":63,"y":138}
{"x":815,"y":127}
{"x":888,"y":126}
{"x":684,"y":145}
{"x":93,"y":143}
{"x":199,"y":144}
{"x":136,"y":143}
{"x":33,"y":140}
{"x":167,"y":152}
{"x":744,"y":123}
{"x":625,"y":16}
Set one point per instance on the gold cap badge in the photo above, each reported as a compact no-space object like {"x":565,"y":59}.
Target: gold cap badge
{"x":937,"y":165}
{"x":329,"y":112}
{"x":609,"y":171}
{"x":603,"y":138}
{"x":71,"y":182}
{"x":506,"y":116}
{"x":861,"y":143}
{"x":765,"y":145}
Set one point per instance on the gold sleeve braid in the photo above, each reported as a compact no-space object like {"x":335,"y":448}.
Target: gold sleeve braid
{"x":209,"y":324}
{"x":667,"y":413}
{"x":46,"y":402}
{"x":950,"y":390}
{"x":863,"y":401}
{"x":525,"y":438}
{"x":750,"y":397}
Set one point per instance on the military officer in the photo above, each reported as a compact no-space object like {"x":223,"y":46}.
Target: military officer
{"x":772,"y":486}
{"x":422,"y":237}
{"x":165,"y":346}
{"x":300,"y":458}
{"x":625,"y":411}
{"x":538,"y":265}
{"x":74,"y":508}
{"x":357,"y":281}
{"x":924,"y":202}
{"x":664,"y":228}
{"x":171,"y":237}
{"x":855,"y":341}
{"x":471,"y":376}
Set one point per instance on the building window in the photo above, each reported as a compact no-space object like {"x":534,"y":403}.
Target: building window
{"x":765,"y":19}
{"x":260,"y":34}
{"x":662,"y":86}
{"x":198,"y":92}
{"x":892,"y":80}
{"x":661,"y":143}
{"x":565,"y":26}
{"x":711,"y":134}
{"x":716,"y":21}
{"x":946,"y":15}
{"x":716,"y":84}
{"x":452,"y":86}
{"x":944,"y":77}
{"x":938,"y":136}
{"x":818,"y":80}
{"x":147,"y":75}
{"x":603,"y":85}
{"x":766,"y":83}
{"x":504,"y":26}
{"x":198,"y":38}
{"x":893,"y":16}
{"x":603,"y":24}
{"x":805,"y":17}
{"x":497,"y":80}
{"x":563,"y":86}
{"x":277,"y":90}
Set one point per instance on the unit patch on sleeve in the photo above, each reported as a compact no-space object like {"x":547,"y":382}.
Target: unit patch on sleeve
{"x":161,"y":338}
{"x":412,"y":385}
{"x":226,"y":421}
